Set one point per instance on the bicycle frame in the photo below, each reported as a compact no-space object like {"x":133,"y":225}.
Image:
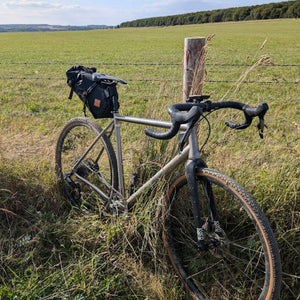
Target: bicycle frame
{"x":190,"y":154}
{"x":172,"y":164}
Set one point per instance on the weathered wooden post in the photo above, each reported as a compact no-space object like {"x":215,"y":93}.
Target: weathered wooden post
{"x":193,"y":66}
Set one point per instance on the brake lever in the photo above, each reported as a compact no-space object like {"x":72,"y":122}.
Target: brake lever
{"x":261,"y":123}
{"x":260,"y":126}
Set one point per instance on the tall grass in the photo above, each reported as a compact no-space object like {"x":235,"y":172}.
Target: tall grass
{"x":49,"y":250}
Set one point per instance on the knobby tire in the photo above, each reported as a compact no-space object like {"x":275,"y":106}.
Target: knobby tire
{"x":246,"y":265}
{"x":99,"y":167}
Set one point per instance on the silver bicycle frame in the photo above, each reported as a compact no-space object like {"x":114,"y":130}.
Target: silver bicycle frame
{"x":191,"y":151}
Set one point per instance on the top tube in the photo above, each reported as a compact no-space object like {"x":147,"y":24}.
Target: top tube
{"x":148,"y":122}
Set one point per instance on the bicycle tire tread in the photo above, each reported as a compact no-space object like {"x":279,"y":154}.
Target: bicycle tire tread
{"x":80,"y":121}
{"x":271,"y":291}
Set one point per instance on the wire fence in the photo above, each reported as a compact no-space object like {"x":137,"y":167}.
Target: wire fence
{"x":147,"y":64}
{"x":141,"y":77}
{"x":144,"y":64}
{"x":29,"y":83}
{"x":157,"y":80}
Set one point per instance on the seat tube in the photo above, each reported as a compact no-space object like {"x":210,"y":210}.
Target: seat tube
{"x":119,"y":157}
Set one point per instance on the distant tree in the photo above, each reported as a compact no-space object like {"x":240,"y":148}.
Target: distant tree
{"x":243,"y":13}
{"x":228,"y":15}
{"x":287,"y":9}
{"x":266,"y":13}
{"x":275,"y":13}
{"x":283,"y":10}
{"x":294,"y":10}
{"x":216,"y":16}
{"x":256,"y":13}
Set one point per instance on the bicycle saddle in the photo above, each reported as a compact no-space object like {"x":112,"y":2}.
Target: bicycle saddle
{"x":103,"y":77}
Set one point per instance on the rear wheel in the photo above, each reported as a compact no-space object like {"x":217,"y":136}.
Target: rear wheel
{"x":91,"y":184}
{"x":243,"y":261}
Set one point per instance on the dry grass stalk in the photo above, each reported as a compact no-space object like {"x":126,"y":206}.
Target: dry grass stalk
{"x":264,"y":60}
{"x":263,"y":44}
{"x":8,"y":211}
{"x":18,"y":216}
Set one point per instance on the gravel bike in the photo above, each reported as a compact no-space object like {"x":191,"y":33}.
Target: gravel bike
{"x":219,"y":241}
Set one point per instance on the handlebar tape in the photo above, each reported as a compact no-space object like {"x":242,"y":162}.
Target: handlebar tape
{"x":182,"y":118}
{"x":163,"y":135}
{"x":196,"y":110}
{"x":177,"y":118}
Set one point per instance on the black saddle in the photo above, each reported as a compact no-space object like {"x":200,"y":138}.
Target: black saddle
{"x":105,"y":78}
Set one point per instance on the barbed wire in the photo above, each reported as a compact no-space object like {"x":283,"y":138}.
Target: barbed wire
{"x":55,"y":113}
{"x":143,"y":64}
{"x":51,"y":78}
{"x":158,"y":80}
{"x":58,"y":92}
{"x":64,"y":96}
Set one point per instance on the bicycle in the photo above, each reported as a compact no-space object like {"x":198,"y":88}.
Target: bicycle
{"x":218,"y":239}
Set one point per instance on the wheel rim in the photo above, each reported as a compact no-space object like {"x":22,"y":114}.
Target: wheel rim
{"x":95,"y":168}
{"x":234,"y":270}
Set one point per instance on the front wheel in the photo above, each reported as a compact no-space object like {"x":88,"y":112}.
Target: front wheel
{"x":244,"y":263}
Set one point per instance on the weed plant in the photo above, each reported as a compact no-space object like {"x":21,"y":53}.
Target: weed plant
{"x":49,"y":250}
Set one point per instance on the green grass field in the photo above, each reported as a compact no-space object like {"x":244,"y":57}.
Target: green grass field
{"x":51,"y":252}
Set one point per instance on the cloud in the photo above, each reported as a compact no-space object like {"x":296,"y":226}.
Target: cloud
{"x":36,"y":5}
{"x":112,"y":12}
{"x":86,"y":12}
{"x":38,"y":11}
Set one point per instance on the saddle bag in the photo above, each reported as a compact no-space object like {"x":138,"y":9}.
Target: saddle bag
{"x":98,"y":97}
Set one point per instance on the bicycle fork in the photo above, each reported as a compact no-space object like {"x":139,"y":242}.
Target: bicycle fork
{"x":212,"y":225}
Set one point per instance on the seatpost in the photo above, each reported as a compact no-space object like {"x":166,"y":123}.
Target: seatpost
{"x":115,"y":103}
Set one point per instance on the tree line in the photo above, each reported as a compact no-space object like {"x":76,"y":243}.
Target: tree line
{"x":287,"y":9}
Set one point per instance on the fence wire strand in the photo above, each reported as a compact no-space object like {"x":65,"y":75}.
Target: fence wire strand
{"x":54,"y":91}
{"x":157,"y":80}
{"x":141,"y":64}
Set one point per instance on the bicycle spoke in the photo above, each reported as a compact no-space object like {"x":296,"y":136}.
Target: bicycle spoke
{"x":87,"y":156}
{"x":236,"y":266}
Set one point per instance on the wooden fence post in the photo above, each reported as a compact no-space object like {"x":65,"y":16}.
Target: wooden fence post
{"x":193,"y":66}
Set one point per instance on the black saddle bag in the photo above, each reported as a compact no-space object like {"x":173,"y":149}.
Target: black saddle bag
{"x":99,"y":97}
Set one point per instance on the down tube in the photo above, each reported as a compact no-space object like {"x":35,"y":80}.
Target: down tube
{"x":171,"y":165}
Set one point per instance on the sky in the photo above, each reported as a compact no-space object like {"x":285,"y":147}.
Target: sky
{"x":107,"y":12}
